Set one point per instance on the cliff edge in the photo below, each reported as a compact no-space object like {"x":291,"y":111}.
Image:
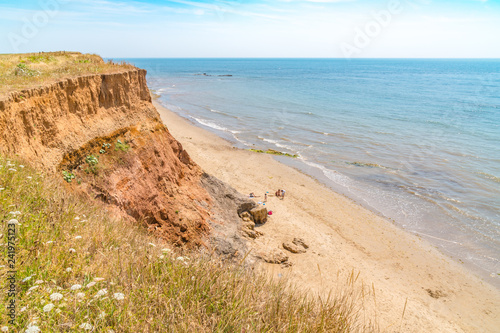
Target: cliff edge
{"x":103,"y":135}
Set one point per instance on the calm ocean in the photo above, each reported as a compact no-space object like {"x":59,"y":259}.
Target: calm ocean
{"x":417,"y":141}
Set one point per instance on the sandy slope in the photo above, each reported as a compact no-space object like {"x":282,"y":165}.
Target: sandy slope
{"x":343,"y":236}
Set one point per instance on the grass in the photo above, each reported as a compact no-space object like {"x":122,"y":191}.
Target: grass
{"x":113,"y":277}
{"x":273,"y":152}
{"x":23,"y":71}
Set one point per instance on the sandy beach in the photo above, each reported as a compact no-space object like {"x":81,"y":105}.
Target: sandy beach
{"x":413,"y":287}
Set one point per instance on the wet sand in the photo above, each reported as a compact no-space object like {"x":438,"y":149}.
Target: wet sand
{"x":399,"y":268}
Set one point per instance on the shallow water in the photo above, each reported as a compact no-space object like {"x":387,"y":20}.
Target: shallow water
{"x":416,"y":140}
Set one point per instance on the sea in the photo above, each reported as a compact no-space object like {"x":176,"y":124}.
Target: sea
{"x":414,"y":140}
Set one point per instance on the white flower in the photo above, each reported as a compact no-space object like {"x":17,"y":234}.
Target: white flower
{"x":77,"y":218}
{"x":21,"y":166}
{"x":78,"y":237}
{"x":12,"y":169}
{"x":13,"y":221}
{"x":48,"y":307}
{"x":69,"y":269}
{"x":15,"y":213}
{"x":56,"y":297}
{"x":182,"y":258}
{"x":5,"y":328}
{"x":2,"y":266}
{"x":1,"y":188}
{"x":49,"y":242}
{"x":162,"y":257}
{"x":153,"y":245}
{"x":76,"y":286}
{"x":166,"y":250}
{"x":32,"y":288}
{"x":91,"y":284}
{"x":86,"y":326}
{"x":119,"y":296}
{"x":29,"y":177}
{"x":32,"y":329}
{"x":23,"y":309}
{"x":38,"y":281}
{"x":27,"y":278}
{"x":97,"y":279}
{"x":101,"y":292}
{"x":102,"y":315}
{"x":72,"y":250}
{"x":80,"y":295}
{"x":111,"y":331}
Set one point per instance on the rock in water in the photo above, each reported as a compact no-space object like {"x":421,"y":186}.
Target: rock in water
{"x":259,"y":215}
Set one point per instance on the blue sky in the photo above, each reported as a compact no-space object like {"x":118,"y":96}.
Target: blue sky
{"x":256,"y":28}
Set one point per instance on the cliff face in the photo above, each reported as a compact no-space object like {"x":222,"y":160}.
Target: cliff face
{"x":105,"y":134}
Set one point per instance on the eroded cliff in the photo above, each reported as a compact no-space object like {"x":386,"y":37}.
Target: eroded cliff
{"x":104,"y":134}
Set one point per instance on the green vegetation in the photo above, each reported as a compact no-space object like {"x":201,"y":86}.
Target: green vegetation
{"x":121,"y":146}
{"x":78,"y":269}
{"x":68,"y":176}
{"x":92,"y":161}
{"x":273,"y":152}
{"x":22,"y":71}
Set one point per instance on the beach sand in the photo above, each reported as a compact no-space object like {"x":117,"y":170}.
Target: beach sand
{"x":397,"y":267}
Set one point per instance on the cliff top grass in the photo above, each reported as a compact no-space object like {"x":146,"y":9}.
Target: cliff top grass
{"x":79,"y":269}
{"x":29,"y":70}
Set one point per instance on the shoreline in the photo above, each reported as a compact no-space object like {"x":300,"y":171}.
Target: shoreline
{"x":345,"y":237}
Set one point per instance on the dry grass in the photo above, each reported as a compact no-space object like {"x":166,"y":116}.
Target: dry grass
{"x":65,"y":241}
{"x":22,"y":71}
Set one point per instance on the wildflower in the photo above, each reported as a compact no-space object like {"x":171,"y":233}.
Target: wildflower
{"x":15,"y":213}
{"x":49,"y":242}
{"x":13,"y":221}
{"x":21,"y":166}
{"x":86,"y":326}
{"x":27,"y":278}
{"x":78,"y":237}
{"x":32,"y":329}
{"x":111,"y":331}
{"x":23,"y":309}
{"x":97,"y":279}
{"x":77,"y":218}
{"x":38,"y":281}
{"x":72,"y":250}
{"x":166,"y":250}
{"x":91,"y":284}
{"x":32,"y":288}
{"x":29,"y":177}
{"x":101,"y":292}
{"x":56,"y":297}
{"x":76,"y":287}
{"x":1,"y":188}
{"x":182,"y":258}
{"x":12,"y":169}
{"x":153,"y":245}
{"x":69,"y":269}
{"x":80,"y":295}
{"x":102,"y":315}
{"x":5,"y":328}
{"x":162,"y":257}
{"x":48,"y":307}
{"x":118,"y":296}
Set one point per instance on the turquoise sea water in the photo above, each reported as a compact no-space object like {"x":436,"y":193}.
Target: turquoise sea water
{"x":417,"y":141}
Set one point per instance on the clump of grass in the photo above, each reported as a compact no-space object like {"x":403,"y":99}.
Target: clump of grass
{"x":23,"y":71}
{"x":78,"y":269}
{"x":273,"y":152}
{"x":123,"y":146}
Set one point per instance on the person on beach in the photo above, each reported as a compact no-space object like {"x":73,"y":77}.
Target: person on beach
{"x":283,"y":194}
{"x":278,"y":193}
{"x":252,"y":195}
{"x":265,"y":197}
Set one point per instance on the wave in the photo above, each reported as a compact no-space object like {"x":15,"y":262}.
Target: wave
{"x":276,"y":143}
{"x":213,"y":125}
{"x":488,"y":176}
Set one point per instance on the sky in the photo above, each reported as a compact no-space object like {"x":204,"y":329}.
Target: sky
{"x":254,"y":28}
